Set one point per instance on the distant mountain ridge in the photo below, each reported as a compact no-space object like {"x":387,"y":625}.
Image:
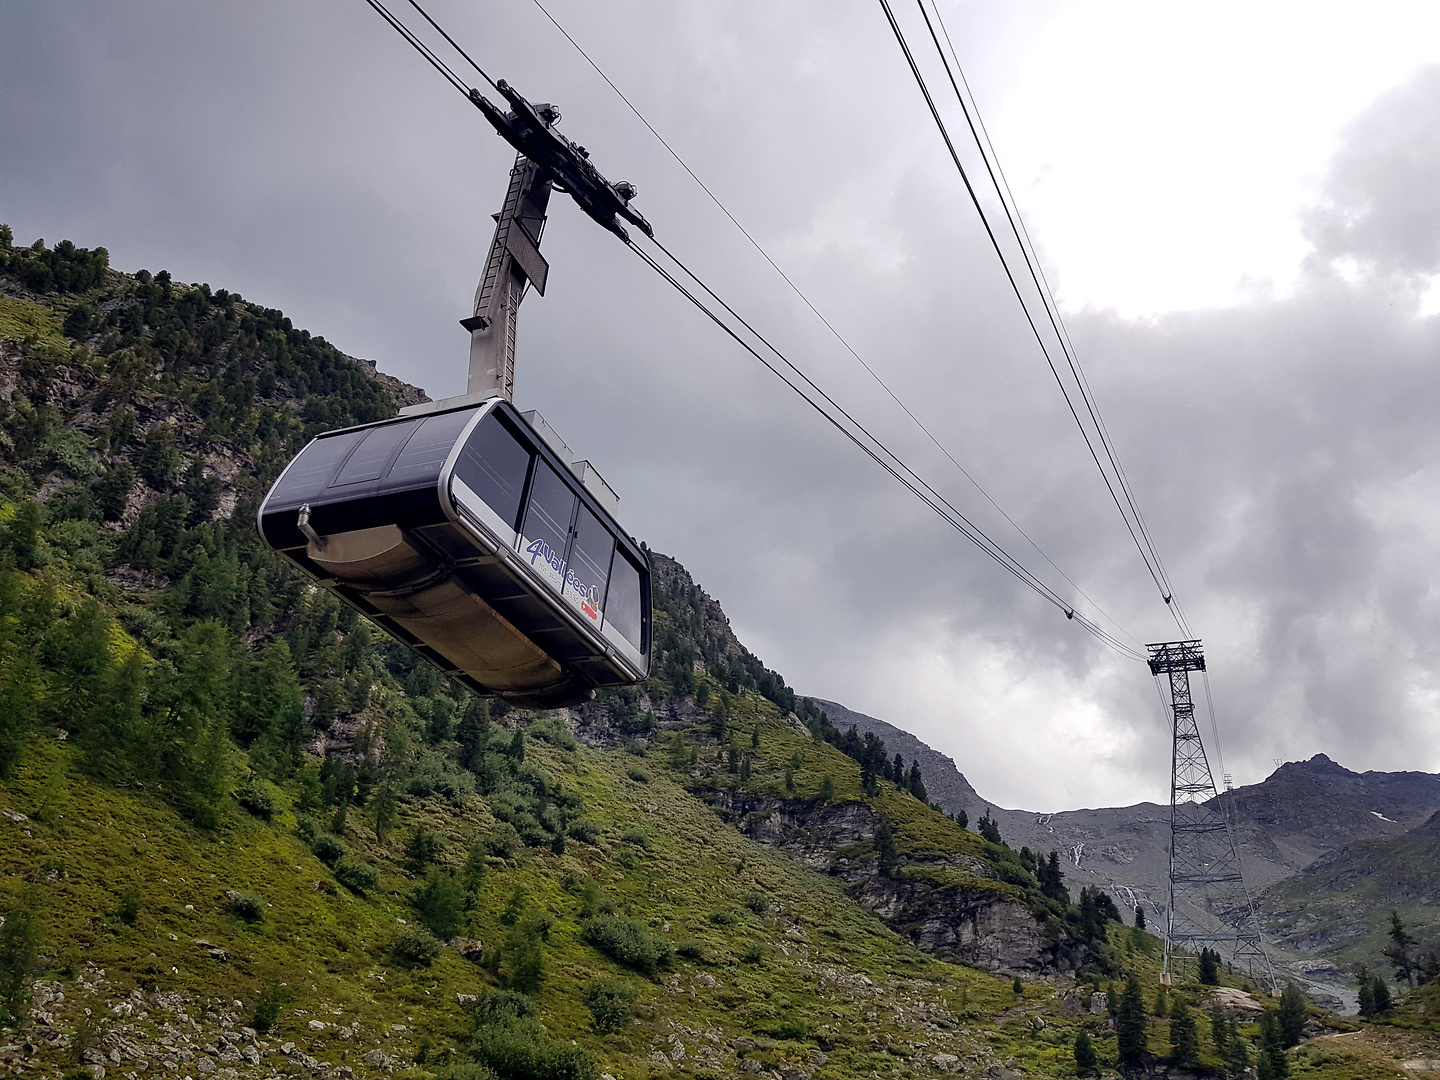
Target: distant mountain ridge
{"x":1327,"y":851}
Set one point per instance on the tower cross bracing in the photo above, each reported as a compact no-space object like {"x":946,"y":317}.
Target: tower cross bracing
{"x":1208,"y":904}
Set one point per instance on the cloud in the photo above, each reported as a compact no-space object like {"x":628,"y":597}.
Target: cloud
{"x":1379,"y":206}
{"x":1283,"y":449}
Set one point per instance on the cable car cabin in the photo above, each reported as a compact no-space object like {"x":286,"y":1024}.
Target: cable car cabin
{"x":465,"y":535}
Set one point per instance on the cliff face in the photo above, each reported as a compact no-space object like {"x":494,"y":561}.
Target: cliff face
{"x":977,"y":922}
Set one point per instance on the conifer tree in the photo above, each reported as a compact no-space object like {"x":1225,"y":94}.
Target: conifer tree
{"x":1085,"y":1058}
{"x":1272,"y":1064}
{"x":1209,"y":967}
{"x":1292,"y":1015}
{"x":1130,"y":1023}
{"x":1184,"y":1040}
{"x":1366,"y":986}
{"x":1381,"y":994}
{"x":1399,"y":951}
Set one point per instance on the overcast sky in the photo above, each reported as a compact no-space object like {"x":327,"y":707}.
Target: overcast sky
{"x":1236,"y":205}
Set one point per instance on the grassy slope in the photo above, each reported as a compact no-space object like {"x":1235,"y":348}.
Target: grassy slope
{"x":96,"y":843}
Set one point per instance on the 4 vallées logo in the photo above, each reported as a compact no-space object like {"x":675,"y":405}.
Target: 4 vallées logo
{"x":586,"y":597}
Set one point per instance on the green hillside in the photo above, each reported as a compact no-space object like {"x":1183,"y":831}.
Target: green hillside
{"x":1339,"y":906}
{"x":241,"y":830}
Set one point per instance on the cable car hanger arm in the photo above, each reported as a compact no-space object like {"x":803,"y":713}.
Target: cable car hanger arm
{"x":528,"y":129}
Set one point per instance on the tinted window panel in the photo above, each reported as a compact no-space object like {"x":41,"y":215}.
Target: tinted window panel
{"x":425,"y":453}
{"x":589,"y":570}
{"x":493,"y":465}
{"x":309,"y":474}
{"x":371,"y":456}
{"x":622,"y":606}
{"x":547,"y":525}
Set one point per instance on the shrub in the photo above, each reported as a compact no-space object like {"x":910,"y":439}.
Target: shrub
{"x":521,"y":956}
{"x":19,"y":956}
{"x":415,"y":946}
{"x":464,"y":1070}
{"x":585,"y":830}
{"x":268,"y":1003}
{"x":611,"y":1003}
{"x":435,"y":775}
{"x":329,"y":848}
{"x":552,"y":729}
{"x":255,"y":797}
{"x":522,"y":1051}
{"x":503,"y":1006}
{"x":503,"y":840}
{"x":794,"y":1030}
{"x":724,"y":917}
{"x":636,"y":838}
{"x":690,"y":950}
{"x":628,"y":942}
{"x":421,"y":849}
{"x":753,"y":955}
{"x":639,"y":775}
{"x":441,"y":903}
{"x":128,"y":909}
{"x":757,"y":902}
{"x":305,"y":827}
{"x":357,"y":876}
{"x":244,"y":905}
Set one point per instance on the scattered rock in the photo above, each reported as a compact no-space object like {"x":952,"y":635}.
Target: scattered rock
{"x":317,"y":1025}
{"x":15,"y":816}
{"x":1037,"y":1023}
{"x":205,"y":1065}
{"x":468,"y":948}
{"x":465,"y":1001}
{"x":378,"y":1059}
{"x":1099,"y":1002}
{"x":215,"y":952}
{"x":1231,"y":998}
{"x":945,"y":1062}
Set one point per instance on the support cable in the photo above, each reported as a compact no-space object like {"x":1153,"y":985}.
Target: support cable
{"x":441,"y":31}
{"x":1011,"y":207}
{"x":898,"y":470}
{"x":1110,"y":485}
{"x":420,"y":47}
{"x":819,"y":315}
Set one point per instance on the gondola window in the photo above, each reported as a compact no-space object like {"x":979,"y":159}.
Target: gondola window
{"x":622,"y":606}
{"x":493,"y":465}
{"x":589,"y":569}
{"x":547,"y":525}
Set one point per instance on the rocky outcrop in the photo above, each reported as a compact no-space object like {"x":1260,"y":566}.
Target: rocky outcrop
{"x":946,"y":907}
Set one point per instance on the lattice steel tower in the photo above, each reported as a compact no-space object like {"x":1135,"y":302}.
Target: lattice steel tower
{"x":1209,"y":906}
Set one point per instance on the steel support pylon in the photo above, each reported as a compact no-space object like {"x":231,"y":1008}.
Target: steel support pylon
{"x":1209,"y":905}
